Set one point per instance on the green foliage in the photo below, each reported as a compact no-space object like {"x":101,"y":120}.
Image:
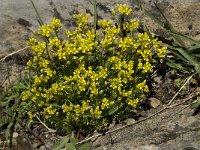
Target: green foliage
{"x":197,"y":103}
{"x":185,"y":57}
{"x":188,"y":54}
{"x":69,"y":143}
{"x":81,"y":81}
{"x":12,"y":108}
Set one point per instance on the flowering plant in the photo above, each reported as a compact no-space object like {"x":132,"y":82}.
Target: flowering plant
{"x":93,"y":75}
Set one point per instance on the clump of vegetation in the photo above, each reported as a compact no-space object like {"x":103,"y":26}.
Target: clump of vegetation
{"x":93,"y":76}
{"x":183,"y":50}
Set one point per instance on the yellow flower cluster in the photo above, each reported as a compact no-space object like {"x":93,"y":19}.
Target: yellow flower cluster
{"x":105,"y":23}
{"x":131,"y":25}
{"x":80,"y":78}
{"x":48,"y":111}
{"x":106,"y":103}
{"x":147,"y":44}
{"x":47,"y":30}
{"x":82,"y":21}
{"x":133,"y":102}
{"x":142,"y":86}
{"x":126,"y":43}
{"x":110,"y":33}
{"x":123,"y":9}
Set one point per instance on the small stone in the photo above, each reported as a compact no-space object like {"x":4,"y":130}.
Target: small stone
{"x":154,"y":102}
{"x":15,"y":135}
{"x":81,"y":9}
{"x":198,"y":89}
{"x":129,"y":121}
{"x":91,"y":19}
{"x":158,"y":79}
{"x":149,"y":147}
{"x":42,"y":147}
{"x":112,"y":125}
{"x":193,"y":81}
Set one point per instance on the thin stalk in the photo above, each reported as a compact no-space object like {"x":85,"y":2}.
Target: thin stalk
{"x":95,"y":15}
{"x":37,"y":13}
{"x":121,"y":21}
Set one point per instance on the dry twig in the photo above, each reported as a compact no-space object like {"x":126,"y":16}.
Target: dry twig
{"x":168,"y":106}
{"x":15,"y":52}
{"x":49,"y":129}
{"x":187,"y":81}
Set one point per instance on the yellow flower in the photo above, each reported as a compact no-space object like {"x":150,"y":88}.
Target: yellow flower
{"x":31,"y":115}
{"x":40,"y":104}
{"x":67,"y":108}
{"x":123,"y":9}
{"x":131,"y":25}
{"x":147,"y":67}
{"x":161,"y":51}
{"x":49,"y":72}
{"x":104,"y":23}
{"x":105,"y":103}
{"x":55,"y":24}
{"x":113,"y":12}
{"x":133,"y":102}
{"x":55,"y":42}
{"x":32,"y":42}
{"x":26,"y":95}
{"x":37,"y":79}
{"x":82,"y":21}
{"x":45,"y":30}
{"x":142,"y":86}
{"x":39,"y":48}
{"x":126,"y":42}
{"x":44,"y":63}
{"x":97,"y":112}
{"x":84,"y":74}
{"x":49,"y":110}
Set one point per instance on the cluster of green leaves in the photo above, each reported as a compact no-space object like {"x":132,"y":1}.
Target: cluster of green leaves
{"x":12,"y":109}
{"x":185,"y":51}
{"x":93,"y":76}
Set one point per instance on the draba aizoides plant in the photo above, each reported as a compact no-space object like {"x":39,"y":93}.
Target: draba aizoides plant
{"x":92,"y":76}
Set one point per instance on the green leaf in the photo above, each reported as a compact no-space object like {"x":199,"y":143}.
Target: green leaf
{"x":191,"y":60}
{"x":194,"y":50}
{"x":61,"y":143}
{"x":196,"y":55}
{"x":177,"y":66}
{"x":185,"y":37}
{"x":70,"y":146}
{"x":114,"y":108}
{"x":197,"y":68}
{"x":37,"y":13}
{"x":73,"y":140}
{"x":3,"y":104}
{"x":4,"y":124}
{"x":178,"y":55}
{"x":85,"y":146}
{"x":197,"y":103}
{"x":8,"y":130}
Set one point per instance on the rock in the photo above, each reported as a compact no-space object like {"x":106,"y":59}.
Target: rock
{"x":149,"y":147}
{"x":154,"y":102}
{"x":179,"y":13}
{"x":129,"y":121}
{"x":15,"y":135}
{"x":158,"y":79}
{"x":173,"y":129}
